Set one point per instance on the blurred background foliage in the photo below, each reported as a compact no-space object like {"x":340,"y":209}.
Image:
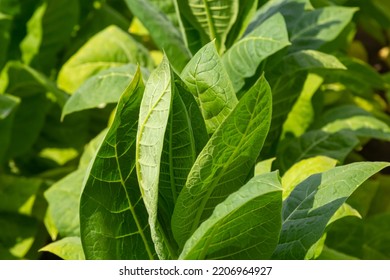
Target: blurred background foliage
{"x":45,"y":46}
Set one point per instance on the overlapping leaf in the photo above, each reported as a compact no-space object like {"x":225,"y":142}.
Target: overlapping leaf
{"x":308,"y":209}
{"x":225,"y":162}
{"x":113,"y":218}
{"x":164,"y":33}
{"x":243,"y":58}
{"x":208,"y":81}
{"x":244,"y":226}
{"x":112,"y":47}
{"x":101,"y":89}
{"x":153,"y":119}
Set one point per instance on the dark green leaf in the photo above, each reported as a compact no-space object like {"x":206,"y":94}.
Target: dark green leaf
{"x":307,"y":211}
{"x":244,"y":226}
{"x":244,"y":57}
{"x":47,"y":33}
{"x":164,"y":33}
{"x":225,"y":162}
{"x":207,"y":79}
{"x":113,"y":218}
{"x":8,"y":107}
{"x":314,"y":143}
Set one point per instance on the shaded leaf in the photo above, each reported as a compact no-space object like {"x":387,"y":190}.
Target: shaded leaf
{"x":47,"y":33}
{"x":303,"y":169}
{"x":225,"y":162}
{"x":243,"y":58}
{"x":112,"y":213}
{"x":315,"y":28}
{"x":8,"y":107}
{"x":105,"y":87}
{"x":245,"y":225}
{"x":164,"y":33}
{"x":314,"y":143}
{"x":308,"y":209}
{"x":209,"y":82}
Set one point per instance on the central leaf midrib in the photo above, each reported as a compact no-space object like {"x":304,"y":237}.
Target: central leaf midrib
{"x":211,"y":189}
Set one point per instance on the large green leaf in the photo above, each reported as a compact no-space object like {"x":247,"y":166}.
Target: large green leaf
{"x":153,"y":119}
{"x":105,"y":87}
{"x":307,"y":211}
{"x":48,"y":32}
{"x":8,"y":107}
{"x":225,"y":162}
{"x":112,"y":47}
{"x":113,"y":218}
{"x":314,"y":143}
{"x":166,"y":36}
{"x":244,"y":226}
{"x":244,"y":57}
{"x":303,"y":169}
{"x":315,"y":28}
{"x":178,"y":155}
{"x":207,"y":79}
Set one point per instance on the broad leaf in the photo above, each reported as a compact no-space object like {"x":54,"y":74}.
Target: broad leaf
{"x":112,"y":47}
{"x":243,"y":58}
{"x":164,"y":33}
{"x":105,"y":87}
{"x":225,"y":162}
{"x":244,"y":226}
{"x":153,"y":119}
{"x":68,"y":248}
{"x":178,"y":156}
{"x":285,"y":92}
{"x":308,"y":209}
{"x":310,"y":60}
{"x":112,"y":212}
{"x":48,"y":32}
{"x":303,"y":169}
{"x":314,"y":143}
{"x":208,"y":81}
{"x":315,"y":28}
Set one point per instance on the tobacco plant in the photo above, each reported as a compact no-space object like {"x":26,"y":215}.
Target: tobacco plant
{"x":234,"y":132}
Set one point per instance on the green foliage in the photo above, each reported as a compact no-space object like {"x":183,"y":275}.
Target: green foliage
{"x":194,"y":129}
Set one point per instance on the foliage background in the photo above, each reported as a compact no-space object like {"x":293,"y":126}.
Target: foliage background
{"x":53,"y":49}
